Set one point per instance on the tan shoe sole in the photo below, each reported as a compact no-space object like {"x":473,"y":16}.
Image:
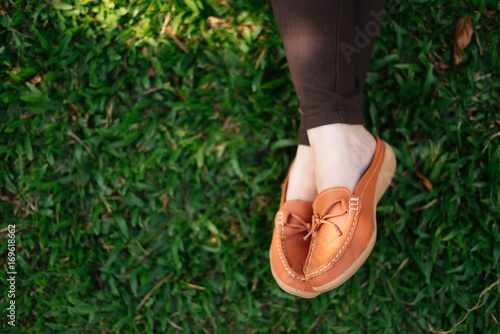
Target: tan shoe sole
{"x":289,"y":289}
{"x":386,"y":174}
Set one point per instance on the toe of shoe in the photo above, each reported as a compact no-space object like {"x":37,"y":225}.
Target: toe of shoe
{"x":338,"y":263}
{"x":288,"y":279}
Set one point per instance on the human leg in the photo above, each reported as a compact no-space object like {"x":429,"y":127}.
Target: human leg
{"x":317,"y":37}
{"x":329,"y":82}
{"x":349,"y":147}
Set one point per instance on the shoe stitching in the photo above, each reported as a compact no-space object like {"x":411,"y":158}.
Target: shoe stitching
{"x":354,"y":222}
{"x":353,"y":206}
{"x":314,"y":234}
{"x":283,"y":239}
{"x":327,"y":191}
{"x":341,"y":250}
{"x":312,"y":250}
{"x":283,"y":234}
{"x":280,"y":221}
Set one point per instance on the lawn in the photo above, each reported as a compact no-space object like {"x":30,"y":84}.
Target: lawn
{"x":143,"y":144}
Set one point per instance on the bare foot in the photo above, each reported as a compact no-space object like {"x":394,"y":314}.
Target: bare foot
{"x":302,"y":181}
{"x":343,"y":153}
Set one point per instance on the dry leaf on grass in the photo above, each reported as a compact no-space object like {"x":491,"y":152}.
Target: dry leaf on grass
{"x":462,"y":38}
{"x":36,"y":80}
{"x":489,"y":14}
{"x":425,"y":181}
{"x":439,"y":66}
{"x":434,"y":330}
{"x":152,"y":71}
{"x":215,"y":21}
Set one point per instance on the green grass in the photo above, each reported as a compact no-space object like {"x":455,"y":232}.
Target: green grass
{"x":143,"y":179}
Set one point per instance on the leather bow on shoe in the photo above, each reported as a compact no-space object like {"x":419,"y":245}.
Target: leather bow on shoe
{"x":297,"y":223}
{"x":335,"y":255}
{"x":288,"y":251}
{"x":317,"y":221}
{"x":346,"y":205}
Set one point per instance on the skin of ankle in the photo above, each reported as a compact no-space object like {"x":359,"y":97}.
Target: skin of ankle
{"x":343,"y":153}
{"x":302,"y":181}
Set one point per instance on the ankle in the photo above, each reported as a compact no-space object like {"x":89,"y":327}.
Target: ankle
{"x":338,"y":136}
{"x":343,"y":153}
{"x":302,"y":179}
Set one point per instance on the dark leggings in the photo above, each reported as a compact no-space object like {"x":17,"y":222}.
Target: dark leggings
{"x":328,"y":46}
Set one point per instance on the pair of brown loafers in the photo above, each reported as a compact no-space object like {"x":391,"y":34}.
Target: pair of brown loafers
{"x":318,"y":246}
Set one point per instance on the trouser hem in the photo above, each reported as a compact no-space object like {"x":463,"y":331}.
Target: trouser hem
{"x":321,"y":118}
{"x":302,"y":136}
{"x":314,"y":120}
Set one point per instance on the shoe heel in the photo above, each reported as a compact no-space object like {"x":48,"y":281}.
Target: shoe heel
{"x":387,"y":171}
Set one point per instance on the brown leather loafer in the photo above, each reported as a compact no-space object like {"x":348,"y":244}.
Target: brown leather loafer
{"x":344,"y":226}
{"x":289,"y":250}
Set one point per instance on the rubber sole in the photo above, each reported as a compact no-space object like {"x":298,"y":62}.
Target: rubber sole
{"x":385,"y":176}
